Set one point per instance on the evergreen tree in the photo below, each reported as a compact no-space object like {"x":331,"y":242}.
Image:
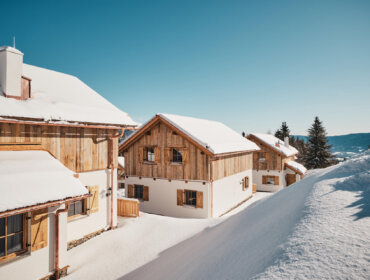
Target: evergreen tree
{"x":243,"y":134}
{"x":282,"y":132}
{"x":318,"y":153}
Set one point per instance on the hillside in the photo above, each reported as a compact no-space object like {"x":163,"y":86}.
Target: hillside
{"x":345,"y":146}
{"x":319,"y":228}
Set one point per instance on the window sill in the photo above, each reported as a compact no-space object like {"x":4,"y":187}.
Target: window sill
{"x":149,"y":162}
{"x":189,"y":206}
{"x":77,"y":217}
{"x":14,"y":256}
{"x":175,"y":163}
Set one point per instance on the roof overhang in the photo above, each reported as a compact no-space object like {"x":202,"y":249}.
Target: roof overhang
{"x":254,"y":138}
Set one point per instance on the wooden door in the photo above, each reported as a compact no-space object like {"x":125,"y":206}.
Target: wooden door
{"x":290,"y":179}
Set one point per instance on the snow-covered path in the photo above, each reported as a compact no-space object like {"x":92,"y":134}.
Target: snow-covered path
{"x":317,"y":229}
{"x":136,"y":242}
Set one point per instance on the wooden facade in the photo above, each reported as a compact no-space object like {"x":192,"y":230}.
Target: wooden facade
{"x":197,"y":164}
{"x":79,"y":149}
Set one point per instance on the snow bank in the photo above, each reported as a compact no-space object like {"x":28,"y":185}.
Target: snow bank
{"x":33,"y":177}
{"x":61,"y":97}
{"x":271,"y":140}
{"x":315,"y":229}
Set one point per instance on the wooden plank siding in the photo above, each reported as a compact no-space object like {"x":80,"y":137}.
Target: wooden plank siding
{"x":162,"y":137}
{"x":79,"y":149}
{"x":273,"y":160}
{"x":197,"y":166}
{"x":230,"y":165}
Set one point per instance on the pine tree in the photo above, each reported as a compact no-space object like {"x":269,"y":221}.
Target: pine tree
{"x":282,"y":132}
{"x":318,"y":153}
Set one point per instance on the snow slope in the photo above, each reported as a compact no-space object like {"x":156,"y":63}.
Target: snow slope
{"x":317,"y":229}
{"x":135,"y":242}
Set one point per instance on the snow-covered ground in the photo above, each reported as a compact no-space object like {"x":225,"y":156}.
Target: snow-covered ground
{"x":136,"y":242}
{"x":319,"y":228}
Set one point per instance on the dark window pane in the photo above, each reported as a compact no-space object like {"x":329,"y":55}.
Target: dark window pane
{"x":2,"y":226}
{"x":79,"y":207}
{"x":2,"y":247}
{"x":71,"y":210}
{"x":176,"y":155}
{"x":15,"y":223}
{"x":139,"y":191}
{"x":14,"y":243}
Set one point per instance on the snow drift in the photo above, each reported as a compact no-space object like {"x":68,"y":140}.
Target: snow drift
{"x":318,"y":228}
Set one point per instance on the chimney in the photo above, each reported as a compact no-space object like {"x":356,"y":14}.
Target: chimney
{"x":286,"y":141}
{"x":11,"y":66}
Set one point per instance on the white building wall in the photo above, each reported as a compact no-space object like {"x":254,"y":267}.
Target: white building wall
{"x":257,"y":179}
{"x":163,"y":197}
{"x":40,"y":263}
{"x":228,"y":192}
{"x":86,"y":224}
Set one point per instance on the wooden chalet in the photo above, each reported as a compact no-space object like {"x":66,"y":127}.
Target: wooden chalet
{"x":274,"y":165}
{"x":187,"y":167}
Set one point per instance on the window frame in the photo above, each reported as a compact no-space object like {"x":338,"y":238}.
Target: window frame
{"x":84,"y":209}
{"x":180,"y":152}
{"x":146,"y":156}
{"x":4,"y":237}
{"x":193,"y":199}
{"x":136,"y":187}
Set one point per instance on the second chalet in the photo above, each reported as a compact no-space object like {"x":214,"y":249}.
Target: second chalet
{"x":187,"y":167}
{"x":274,"y":166}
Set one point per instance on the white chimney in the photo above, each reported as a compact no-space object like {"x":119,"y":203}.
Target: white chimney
{"x":11,"y":66}
{"x":286,"y":141}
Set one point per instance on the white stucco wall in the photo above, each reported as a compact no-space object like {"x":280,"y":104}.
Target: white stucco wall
{"x":228,"y":192}
{"x":81,"y":226}
{"x":40,"y":263}
{"x":257,"y":179}
{"x":163,"y":197}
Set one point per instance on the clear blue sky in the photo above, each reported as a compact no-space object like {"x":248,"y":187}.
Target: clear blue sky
{"x":249,"y":64}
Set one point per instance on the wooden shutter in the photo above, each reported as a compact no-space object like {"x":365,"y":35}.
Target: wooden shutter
{"x":130,"y":191}
{"x":157,"y":155}
{"x":39,"y":229}
{"x":167,"y":155}
{"x":199,"y":200}
{"x":185,"y":155}
{"x":246,"y":180}
{"x":243,"y":184}
{"x":180,"y":196}
{"x":146,"y":193}
{"x":264,"y":179}
{"x":276,"y":180}
{"x":255,"y":156}
{"x":94,"y":199}
{"x":267,"y":156}
{"x":141,"y":154}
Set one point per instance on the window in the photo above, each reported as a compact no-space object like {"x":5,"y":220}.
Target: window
{"x":12,"y":235}
{"x":190,"y":198}
{"x":245,"y":183}
{"x":77,"y":208}
{"x":139,"y":190}
{"x":121,"y":185}
{"x":262,"y":157}
{"x":149,"y":154}
{"x":176,"y":156}
{"x":270,"y":180}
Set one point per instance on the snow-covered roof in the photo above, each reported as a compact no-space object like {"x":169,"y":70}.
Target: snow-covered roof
{"x":213,"y":136}
{"x":276,"y":144}
{"x":61,"y":97}
{"x":296,"y":166}
{"x":29,"y":178}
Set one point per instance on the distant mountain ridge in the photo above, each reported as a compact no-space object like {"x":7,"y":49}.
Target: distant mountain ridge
{"x":345,"y":146}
